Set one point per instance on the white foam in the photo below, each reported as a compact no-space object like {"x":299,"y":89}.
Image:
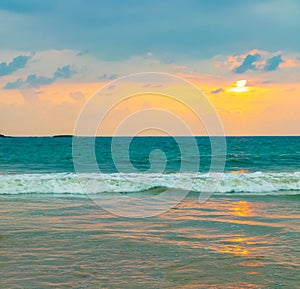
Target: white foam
{"x":70,"y":183}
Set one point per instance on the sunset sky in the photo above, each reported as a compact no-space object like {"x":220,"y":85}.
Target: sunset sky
{"x":243,"y":55}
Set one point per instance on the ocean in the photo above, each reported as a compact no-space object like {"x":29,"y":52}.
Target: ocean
{"x":55,"y":233}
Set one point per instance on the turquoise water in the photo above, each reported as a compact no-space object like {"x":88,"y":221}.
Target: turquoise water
{"x":52,"y":155}
{"x":245,"y":236}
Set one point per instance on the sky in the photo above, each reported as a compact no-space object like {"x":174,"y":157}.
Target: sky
{"x":243,"y":55}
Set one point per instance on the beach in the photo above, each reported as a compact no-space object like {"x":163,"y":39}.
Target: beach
{"x":149,"y":144}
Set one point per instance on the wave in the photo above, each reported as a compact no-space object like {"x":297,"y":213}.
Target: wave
{"x":71,"y":183}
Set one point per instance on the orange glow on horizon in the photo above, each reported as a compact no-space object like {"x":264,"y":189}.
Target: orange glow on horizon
{"x":264,"y":109}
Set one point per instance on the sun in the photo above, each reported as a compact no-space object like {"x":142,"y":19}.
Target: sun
{"x":241,"y":83}
{"x":240,"y":86}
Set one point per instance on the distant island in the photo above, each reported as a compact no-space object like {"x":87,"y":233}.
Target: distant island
{"x":63,"y":135}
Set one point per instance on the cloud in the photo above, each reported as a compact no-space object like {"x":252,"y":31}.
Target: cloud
{"x":63,"y":72}
{"x":77,"y":95}
{"x":273,"y":63}
{"x":260,"y":61}
{"x":247,"y":64}
{"x":16,"y":64}
{"x":101,"y":26}
{"x":216,"y":91}
{"x":83,"y":52}
{"x":111,"y":87}
{"x":14,"y":85}
{"x":36,"y":81}
{"x":106,"y":76}
{"x":31,"y":81}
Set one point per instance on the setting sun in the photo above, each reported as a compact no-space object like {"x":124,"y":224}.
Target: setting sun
{"x":241,"y":83}
{"x":240,"y":86}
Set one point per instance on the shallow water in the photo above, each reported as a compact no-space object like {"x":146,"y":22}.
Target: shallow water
{"x":227,"y":242}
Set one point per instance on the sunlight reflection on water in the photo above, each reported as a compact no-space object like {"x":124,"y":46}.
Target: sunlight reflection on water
{"x":224,"y":243}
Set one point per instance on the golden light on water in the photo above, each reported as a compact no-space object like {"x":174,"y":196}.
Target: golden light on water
{"x":241,"y":209}
{"x":234,"y":249}
{"x":238,"y":245}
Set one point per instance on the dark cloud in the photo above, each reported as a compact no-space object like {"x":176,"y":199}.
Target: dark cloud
{"x":273,"y":63}
{"x":247,"y":64}
{"x":216,"y":91}
{"x":36,"y":81}
{"x":31,"y":81}
{"x":112,"y":30}
{"x":83,"y":52}
{"x":16,"y":64}
{"x":14,"y":85}
{"x":106,"y":76}
{"x":63,"y":72}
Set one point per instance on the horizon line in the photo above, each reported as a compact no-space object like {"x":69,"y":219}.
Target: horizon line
{"x":111,"y":136}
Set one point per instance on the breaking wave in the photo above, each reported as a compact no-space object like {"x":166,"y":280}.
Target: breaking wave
{"x":259,"y":183}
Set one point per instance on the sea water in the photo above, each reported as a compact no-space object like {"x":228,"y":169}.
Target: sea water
{"x":53,"y":235}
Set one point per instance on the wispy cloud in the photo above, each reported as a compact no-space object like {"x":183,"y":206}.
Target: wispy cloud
{"x":35,"y":81}
{"x":106,"y":76}
{"x":17,"y":63}
{"x":77,"y":95}
{"x":216,"y":91}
